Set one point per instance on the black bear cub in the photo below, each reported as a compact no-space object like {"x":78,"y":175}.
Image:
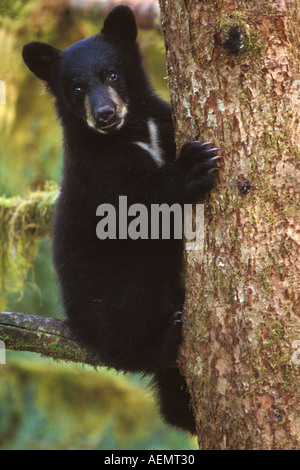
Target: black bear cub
{"x":123,"y":296}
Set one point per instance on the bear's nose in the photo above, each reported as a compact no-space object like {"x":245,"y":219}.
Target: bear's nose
{"x":104,"y":116}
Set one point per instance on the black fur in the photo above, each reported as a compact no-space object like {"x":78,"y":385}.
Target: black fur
{"x":120,"y":296}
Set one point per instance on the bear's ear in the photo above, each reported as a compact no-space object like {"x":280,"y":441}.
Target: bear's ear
{"x":120,"y":24}
{"x":40,"y":58}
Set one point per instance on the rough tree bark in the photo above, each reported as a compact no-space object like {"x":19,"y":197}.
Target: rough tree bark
{"x":234,"y":80}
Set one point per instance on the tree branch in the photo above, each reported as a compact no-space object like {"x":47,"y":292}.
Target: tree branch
{"x":146,"y":11}
{"x":49,"y":337}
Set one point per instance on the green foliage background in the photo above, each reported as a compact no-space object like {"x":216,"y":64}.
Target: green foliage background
{"x":44,"y":405}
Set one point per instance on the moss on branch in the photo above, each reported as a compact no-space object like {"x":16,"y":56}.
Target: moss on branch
{"x":23,"y":222}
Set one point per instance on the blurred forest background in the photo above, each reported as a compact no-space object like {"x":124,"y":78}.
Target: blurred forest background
{"x":43,"y":404}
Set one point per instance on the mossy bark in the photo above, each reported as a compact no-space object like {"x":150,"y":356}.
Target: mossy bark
{"x":234,"y":80}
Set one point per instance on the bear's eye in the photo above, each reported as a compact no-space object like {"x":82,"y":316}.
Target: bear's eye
{"x":112,"y":76}
{"x":77,"y":90}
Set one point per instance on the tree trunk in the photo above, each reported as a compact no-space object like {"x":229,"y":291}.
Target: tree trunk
{"x":234,"y":80}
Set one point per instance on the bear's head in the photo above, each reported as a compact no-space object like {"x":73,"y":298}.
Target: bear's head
{"x":97,"y":78}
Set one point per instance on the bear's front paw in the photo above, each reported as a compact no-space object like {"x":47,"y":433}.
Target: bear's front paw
{"x":178,"y":318}
{"x":200,"y":156}
{"x":198,"y":162}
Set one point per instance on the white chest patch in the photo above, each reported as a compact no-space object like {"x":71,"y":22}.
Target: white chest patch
{"x":153,"y":146}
